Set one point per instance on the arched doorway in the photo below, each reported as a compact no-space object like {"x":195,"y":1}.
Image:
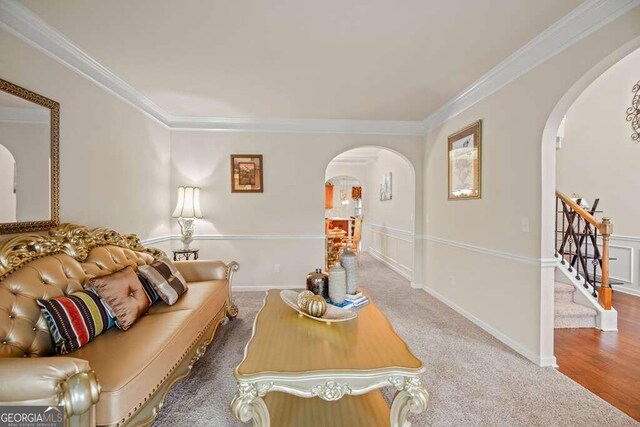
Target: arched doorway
{"x":564,"y":343}
{"x":7,"y":185}
{"x":385,"y":204}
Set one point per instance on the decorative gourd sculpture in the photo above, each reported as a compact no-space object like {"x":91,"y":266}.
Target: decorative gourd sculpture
{"x":303,"y":299}
{"x":316,"y":306}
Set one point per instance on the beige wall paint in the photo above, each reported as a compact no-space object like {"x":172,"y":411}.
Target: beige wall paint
{"x":598,"y":157}
{"x":285,"y":224}
{"x":29,"y":143}
{"x":114,"y":160}
{"x":512,"y":299}
{"x":398,"y":212}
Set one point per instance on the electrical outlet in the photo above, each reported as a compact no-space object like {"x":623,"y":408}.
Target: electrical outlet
{"x":524,"y":223}
{"x":276,"y":268}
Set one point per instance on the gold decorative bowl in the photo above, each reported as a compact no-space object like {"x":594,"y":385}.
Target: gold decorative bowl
{"x":332,"y":315}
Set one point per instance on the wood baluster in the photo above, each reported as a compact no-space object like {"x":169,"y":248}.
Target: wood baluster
{"x":605,"y":294}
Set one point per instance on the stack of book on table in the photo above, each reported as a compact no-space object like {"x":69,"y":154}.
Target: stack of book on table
{"x":355,"y":301}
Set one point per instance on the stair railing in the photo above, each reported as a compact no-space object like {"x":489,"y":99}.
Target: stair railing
{"x":577,"y":244}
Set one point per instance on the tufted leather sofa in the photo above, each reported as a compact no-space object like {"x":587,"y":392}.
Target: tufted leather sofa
{"x":120,"y":378}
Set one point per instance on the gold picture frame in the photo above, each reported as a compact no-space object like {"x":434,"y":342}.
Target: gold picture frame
{"x":54,"y":156}
{"x":464,"y":156}
{"x":247,"y":173}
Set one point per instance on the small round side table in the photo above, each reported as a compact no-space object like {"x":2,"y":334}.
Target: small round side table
{"x":185,"y":254}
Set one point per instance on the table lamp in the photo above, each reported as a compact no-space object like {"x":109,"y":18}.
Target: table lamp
{"x":187,"y":210}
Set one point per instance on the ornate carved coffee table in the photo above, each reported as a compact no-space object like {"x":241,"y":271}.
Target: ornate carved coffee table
{"x":300,"y":372}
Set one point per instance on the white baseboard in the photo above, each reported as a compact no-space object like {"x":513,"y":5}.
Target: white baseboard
{"x":540,"y":361}
{"x":260,"y":288}
{"x":398,"y":268}
{"x":417,"y":285}
{"x":625,"y":290}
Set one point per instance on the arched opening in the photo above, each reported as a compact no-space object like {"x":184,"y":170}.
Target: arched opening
{"x":373,"y":190}
{"x":7,"y":185}
{"x":584,"y":134}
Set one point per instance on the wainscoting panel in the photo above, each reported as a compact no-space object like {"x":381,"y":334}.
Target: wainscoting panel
{"x":392,"y":246}
{"x":624,"y":263}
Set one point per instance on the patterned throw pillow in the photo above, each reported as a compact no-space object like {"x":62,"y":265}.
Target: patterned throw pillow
{"x":165,"y":279}
{"x":75,"y":319}
{"x":151,"y":293}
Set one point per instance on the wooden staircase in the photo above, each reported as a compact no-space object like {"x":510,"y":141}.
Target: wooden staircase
{"x":582,"y":247}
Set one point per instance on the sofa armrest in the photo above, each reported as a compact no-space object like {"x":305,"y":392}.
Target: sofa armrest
{"x":49,"y":381}
{"x":202,"y":270}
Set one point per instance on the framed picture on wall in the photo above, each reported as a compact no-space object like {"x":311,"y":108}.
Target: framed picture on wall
{"x":246,"y":173}
{"x":465,"y":162}
{"x":386,"y":189}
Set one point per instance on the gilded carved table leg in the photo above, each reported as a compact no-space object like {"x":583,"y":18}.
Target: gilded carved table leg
{"x":412,"y":397}
{"x":247,"y":404}
{"x":232,"y":311}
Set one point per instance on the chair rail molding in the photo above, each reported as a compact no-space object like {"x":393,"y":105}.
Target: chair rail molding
{"x":582,"y":21}
{"x":173,"y":237}
{"x":538,"y":262}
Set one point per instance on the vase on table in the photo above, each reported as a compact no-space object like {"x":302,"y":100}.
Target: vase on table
{"x":349,"y":260}
{"x":318,"y":283}
{"x":337,"y":284}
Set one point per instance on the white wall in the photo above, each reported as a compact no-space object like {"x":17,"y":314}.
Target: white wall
{"x":285,"y":224}
{"x":8,"y":197}
{"x":30,"y":145}
{"x":478,"y":259}
{"x":114,"y":160}
{"x":598,"y":159}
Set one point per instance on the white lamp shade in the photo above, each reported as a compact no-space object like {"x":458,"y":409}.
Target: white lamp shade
{"x":188,"y":205}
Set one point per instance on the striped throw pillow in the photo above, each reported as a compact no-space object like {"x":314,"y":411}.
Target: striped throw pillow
{"x":150,"y":292}
{"x":165,"y":279}
{"x":76,"y":319}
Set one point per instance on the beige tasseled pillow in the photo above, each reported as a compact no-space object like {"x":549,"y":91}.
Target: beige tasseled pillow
{"x":123,"y":294}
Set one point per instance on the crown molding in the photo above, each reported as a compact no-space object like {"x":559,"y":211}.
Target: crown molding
{"x":276,"y":125}
{"x":25,"y":115}
{"x":582,"y":21}
{"x":29,"y":27}
{"x":19,"y":20}
{"x":577,"y":24}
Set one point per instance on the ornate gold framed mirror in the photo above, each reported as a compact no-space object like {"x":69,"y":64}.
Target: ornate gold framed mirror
{"x":29,"y":160}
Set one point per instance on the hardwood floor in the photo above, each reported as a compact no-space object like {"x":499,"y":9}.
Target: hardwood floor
{"x":606,"y":363}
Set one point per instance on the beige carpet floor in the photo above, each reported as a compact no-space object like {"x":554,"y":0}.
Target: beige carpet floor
{"x":472,"y":378}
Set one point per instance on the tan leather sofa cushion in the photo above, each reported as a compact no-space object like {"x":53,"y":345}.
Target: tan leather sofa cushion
{"x":23,"y":329}
{"x":130,"y":365}
{"x":105,"y":260}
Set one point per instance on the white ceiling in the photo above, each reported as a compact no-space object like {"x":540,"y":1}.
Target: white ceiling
{"x":359,"y":59}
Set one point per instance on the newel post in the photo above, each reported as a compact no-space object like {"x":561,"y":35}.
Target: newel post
{"x":605,"y":293}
